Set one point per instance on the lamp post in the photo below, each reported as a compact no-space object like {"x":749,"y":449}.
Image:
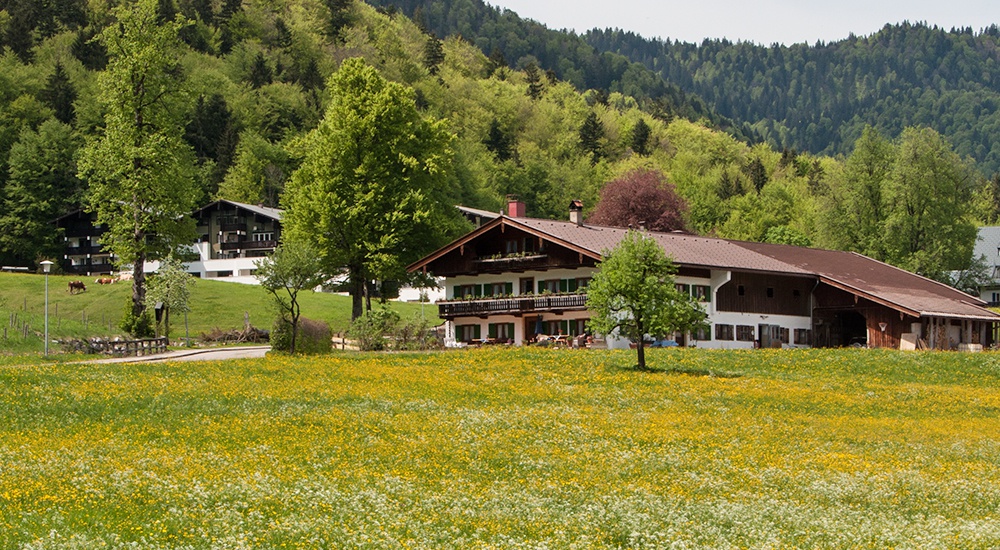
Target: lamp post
{"x":46,"y":266}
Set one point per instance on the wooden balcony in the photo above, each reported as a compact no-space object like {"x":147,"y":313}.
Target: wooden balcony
{"x":234,"y":226}
{"x":511,"y":263}
{"x":249,"y":245}
{"x":515,"y":305}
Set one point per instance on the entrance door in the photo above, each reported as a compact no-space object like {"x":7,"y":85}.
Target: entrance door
{"x":770,"y":336}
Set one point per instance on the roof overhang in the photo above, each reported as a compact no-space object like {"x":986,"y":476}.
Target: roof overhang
{"x":501,"y":222}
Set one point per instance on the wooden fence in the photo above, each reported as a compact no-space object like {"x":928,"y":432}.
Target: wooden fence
{"x":137,"y":348}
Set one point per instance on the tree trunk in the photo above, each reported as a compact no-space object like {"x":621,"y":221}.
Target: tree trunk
{"x":357,"y":292}
{"x":641,"y":348}
{"x":138,"y":286}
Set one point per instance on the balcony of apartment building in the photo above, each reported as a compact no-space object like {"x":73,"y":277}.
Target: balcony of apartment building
{"x":512,"y":305}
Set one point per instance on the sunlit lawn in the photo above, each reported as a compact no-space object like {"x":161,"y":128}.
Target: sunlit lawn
{"x":506,"y":448}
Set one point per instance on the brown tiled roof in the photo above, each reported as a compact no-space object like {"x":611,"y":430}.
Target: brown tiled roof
{"x":852,"y":272}
{"x":878,"y":280}
{"x":689,"y":250}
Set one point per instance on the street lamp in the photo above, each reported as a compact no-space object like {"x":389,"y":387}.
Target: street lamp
{"x":46,"y":266}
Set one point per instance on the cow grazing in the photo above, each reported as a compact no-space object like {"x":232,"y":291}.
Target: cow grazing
{"x":105,"y":280}
{"x":76,"y":287}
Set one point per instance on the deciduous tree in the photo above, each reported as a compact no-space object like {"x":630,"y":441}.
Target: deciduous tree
{"x":140,"y":170}
{"x":641,"y":197}
{"x":633,"y":293}
{"x":372,"y":184}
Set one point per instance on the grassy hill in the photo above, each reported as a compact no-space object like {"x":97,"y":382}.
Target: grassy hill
{"x":214,"y":304}
{"x":506,"y":448}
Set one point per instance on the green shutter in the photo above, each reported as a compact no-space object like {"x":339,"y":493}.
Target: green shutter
{"x":492,"y":330}
{"x":562,"y":285}
{"x":456,"y":292}
{"x":477,"y":332}
{"x":571,"y":285}
{"x":708,"y":294}
{"x":508,"y":288}
{"x":478,"y":290}
{"x":510,"y":330}
{"x":564,"y":327}
{"x":541,"y":286}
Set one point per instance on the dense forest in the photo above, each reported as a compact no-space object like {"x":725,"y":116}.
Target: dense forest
{"x":814,"y":98}
{"x":819,"y":98}
{"x":250,"y":82}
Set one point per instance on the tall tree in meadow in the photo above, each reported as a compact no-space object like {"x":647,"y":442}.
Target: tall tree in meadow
{"x":140,"y":170}
{"x":373,"y":176}
{"x":641,"y":197}
{"x":633,"y":294}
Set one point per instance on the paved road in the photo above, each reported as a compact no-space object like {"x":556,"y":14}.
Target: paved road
{"x":208,"y":354}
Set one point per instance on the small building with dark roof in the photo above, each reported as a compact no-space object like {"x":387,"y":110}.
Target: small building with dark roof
{"x":516,"y":277}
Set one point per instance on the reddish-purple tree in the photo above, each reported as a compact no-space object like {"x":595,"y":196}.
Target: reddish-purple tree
{"x":641,"y":197}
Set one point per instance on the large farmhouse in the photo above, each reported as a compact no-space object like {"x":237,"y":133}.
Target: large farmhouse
{"x":515,"y":277}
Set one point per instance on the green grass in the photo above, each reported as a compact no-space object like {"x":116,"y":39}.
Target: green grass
{"x":214,"y":304}
{"x":506,"y":448}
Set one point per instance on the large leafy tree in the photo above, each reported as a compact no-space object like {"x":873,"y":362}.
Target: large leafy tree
{"x":641,"y":197}
{"x":634,"y":293}
{"x":857,"y":212}
{"x":140,"y":170}
{"x":929,"y":228}
{"x":371,"y":181}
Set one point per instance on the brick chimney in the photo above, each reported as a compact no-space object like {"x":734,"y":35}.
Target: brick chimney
{"x":576,"y":212}
{"x":515,"y":208}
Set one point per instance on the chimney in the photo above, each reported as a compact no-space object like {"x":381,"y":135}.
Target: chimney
{"x":515,"y":208}
{"x":576,"y":212}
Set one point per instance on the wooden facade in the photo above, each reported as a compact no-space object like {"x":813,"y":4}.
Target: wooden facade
{"x":767,"y":294}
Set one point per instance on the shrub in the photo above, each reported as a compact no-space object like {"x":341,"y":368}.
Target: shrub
{"x":415,"y":334}
{"x":140,"y":326}
{"x":370,"y":330}
{"x":315,"y":337}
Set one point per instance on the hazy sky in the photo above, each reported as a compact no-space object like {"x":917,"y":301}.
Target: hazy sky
{"x":761,"y":21}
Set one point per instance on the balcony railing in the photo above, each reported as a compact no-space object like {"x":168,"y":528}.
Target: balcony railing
{"x":84,"y":230}
{"x":234,"y":226}
{"x":513,"y":304}
{"x":249,"y":245}
{"x":82,"y":250}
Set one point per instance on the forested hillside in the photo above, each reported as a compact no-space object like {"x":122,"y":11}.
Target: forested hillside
{"x":518,"y":43}
{"x":251,"y":82}
{"x":818,"y":98}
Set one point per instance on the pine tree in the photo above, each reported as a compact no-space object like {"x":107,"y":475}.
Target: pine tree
{"x":60,"y":95}
{"x":260,"y":72}
{"x":639,"y":140}
{"x":165,"y":11}
{"x":495,"y":62}
{"x":591,"y":134}
{"x":499,"y":142}
{"x":535,"y":87}
{"x":757,"y":173}
{"x":433,"y":54}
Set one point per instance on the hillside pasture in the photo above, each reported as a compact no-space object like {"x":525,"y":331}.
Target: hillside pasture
{"x":97,"y":311}
{"x":506,"y":448}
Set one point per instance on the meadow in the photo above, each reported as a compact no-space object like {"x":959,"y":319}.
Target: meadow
{"x":96,"y":312}
{"x":501,"y":448}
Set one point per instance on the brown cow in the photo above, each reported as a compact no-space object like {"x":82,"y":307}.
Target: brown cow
{"x":77,"y":286}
